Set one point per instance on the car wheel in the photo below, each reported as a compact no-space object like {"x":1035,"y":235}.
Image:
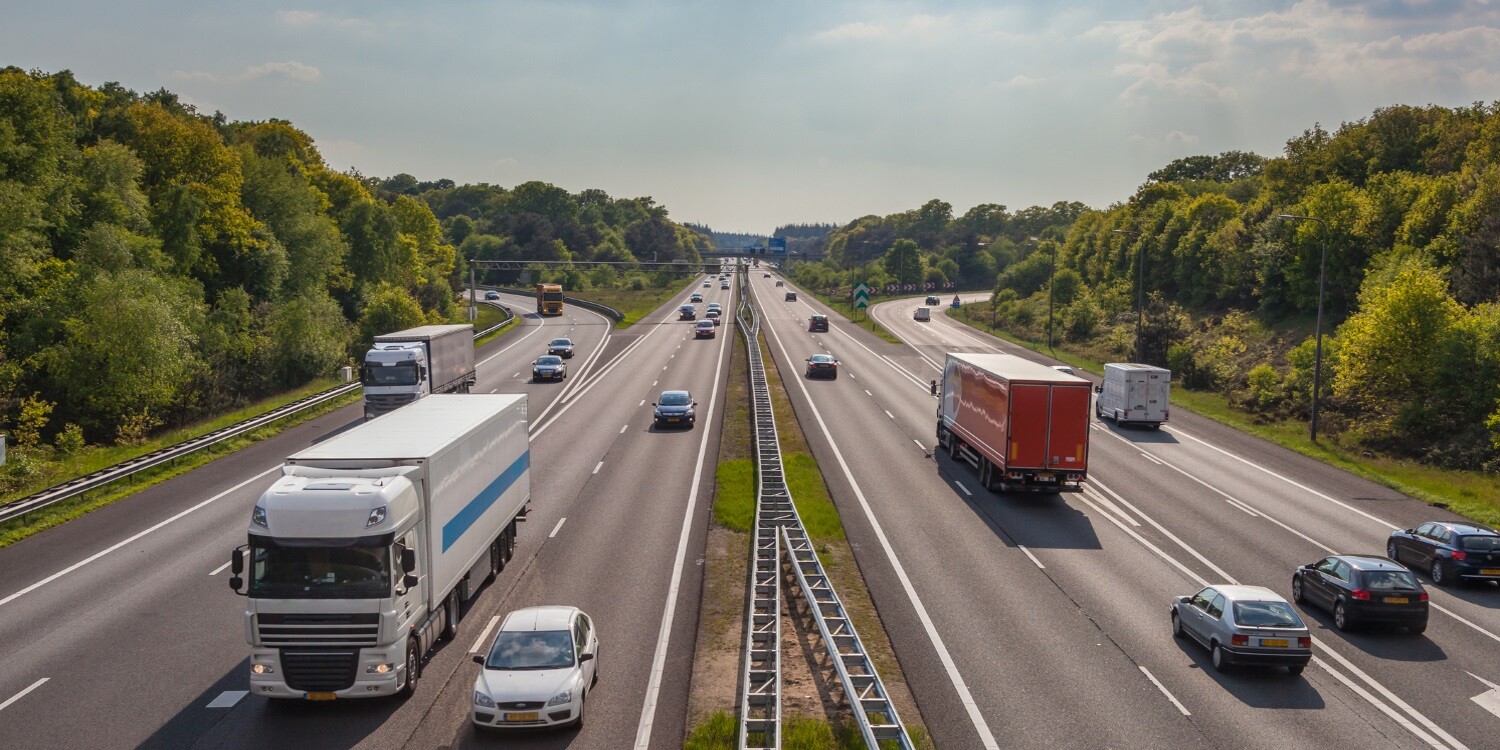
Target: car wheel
{"x":583,"y":702}
{"x":1439,"y":573}
{"x":1176,"y":626}
{"x":413,"y":669}
{"x":1296,"y":669}
{"x":1418,"y":629}
{"x":1341,"y":617}
{"x":1297,"y":595}
{"x":1392,"y":551}
{"x":1220,"y":659}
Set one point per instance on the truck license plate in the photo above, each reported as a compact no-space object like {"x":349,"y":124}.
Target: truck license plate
{"x":321,"y":696}
{"x":528,"y":716}
{"x":1045,"y":476}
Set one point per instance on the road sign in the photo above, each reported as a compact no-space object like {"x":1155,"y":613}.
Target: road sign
{"x":861,"y":295}
{"x":893,"y":287}
{"x":949,"y":285}
{"x":910,"y":287}
{"x":929,"y":285}
{"x":778,"y":245}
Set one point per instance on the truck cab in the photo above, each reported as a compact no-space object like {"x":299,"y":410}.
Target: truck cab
{"x":394,"y":375}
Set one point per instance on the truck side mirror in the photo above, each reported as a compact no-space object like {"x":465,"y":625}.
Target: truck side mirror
{"x":236,"y":583}
{"x":237,"y":561}
{"x":408,"y":560}
{"x":1098,"y":389}
{"x":410,"y":581}
{"x":422,"y":372}
{"x":934,"y":388}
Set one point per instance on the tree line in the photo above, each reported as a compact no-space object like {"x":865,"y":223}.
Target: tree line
{"x":158,"y":264}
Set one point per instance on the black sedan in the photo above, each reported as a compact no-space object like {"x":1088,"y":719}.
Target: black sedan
{"x":562,"y":347}
{"x":1363,"y":588}
{"x":674,"y":408}
{"x":822,"y":366}
{"x":548,"y":367}
{"x":1449,"y":552}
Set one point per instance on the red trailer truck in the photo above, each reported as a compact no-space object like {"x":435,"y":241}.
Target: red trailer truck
{"x":1025,"y":426}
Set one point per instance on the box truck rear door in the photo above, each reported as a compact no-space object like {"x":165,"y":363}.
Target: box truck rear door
{"x":1068,"y":441}
{"x":1028,"y":426}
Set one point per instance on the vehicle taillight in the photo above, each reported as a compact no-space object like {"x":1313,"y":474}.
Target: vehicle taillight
{"x":1360,"y":594}
{"x":1422,"y":597}
{"x":1239,"y":640}
{"x":1459,"y":554}
{"x":1304,"y":643}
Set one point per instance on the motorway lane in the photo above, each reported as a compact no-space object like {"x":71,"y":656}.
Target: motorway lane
{"x":142,"y":634}
{"x":998,"y":626}
{"x":1213,"y":489}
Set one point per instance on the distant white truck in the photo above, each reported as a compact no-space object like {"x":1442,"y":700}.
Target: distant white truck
{"x":360,"y":556}
{"x":404,"y":366}
{"x":1134,"y":394}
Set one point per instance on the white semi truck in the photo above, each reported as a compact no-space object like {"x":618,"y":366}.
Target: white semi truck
{"x":404,"y":366}
{"x":361,"y":555}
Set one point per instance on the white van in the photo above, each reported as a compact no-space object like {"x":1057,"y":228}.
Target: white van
{"x":923,"y":314}
{"x":1134,"y":394}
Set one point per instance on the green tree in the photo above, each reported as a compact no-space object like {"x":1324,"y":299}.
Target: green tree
{"x":390,"y":308}
{"x":904,"y":262}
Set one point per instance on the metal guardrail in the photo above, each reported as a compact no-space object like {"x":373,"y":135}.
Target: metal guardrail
{"x":604,"y":310}
{"x":776,"y":517}
{"x":125,"y":469}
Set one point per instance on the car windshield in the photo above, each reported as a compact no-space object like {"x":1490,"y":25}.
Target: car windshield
{"x":1481,"y":543}
{"x":549,"y":360}
{"x":404,"y":373}
{"x":1389,"y":580}
{"x":561,"y":342}
{"x":1266,"y":615}
{"x":542,"y":649}
{"x":321,"y":569}
{"x":675,"y":399}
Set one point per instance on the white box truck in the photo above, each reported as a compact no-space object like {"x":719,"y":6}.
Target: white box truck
{"x":360,"y":556}
{"x":404,"y":366}
{"x":1134,"y":394}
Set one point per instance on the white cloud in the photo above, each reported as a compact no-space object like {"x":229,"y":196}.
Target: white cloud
{"x":1177,"y":136}
{"x":290,"y":70}
{"x":1017,"y":82}
{"x":310,"y":20}
{"x":854,"y":30}
{"x":505,"y":162}
{"x":920,"y":27}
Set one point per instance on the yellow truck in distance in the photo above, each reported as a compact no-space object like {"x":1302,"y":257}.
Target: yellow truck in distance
{"x":549,"y":299}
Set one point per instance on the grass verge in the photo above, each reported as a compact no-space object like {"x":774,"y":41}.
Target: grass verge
{"x":16,"y":530}
{"x":1471,"y":494}
{"x":634,"y":304}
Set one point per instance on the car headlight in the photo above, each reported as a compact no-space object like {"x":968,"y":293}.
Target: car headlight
{"x":480,"y":699}
{"x":565,"y":696}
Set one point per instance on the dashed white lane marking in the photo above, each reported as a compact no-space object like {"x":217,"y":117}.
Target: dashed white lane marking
{"x":654,"y":382}
{"x":623,"y":428}
{"x":1033,"y":557}
{"x":643,"y":401}
{"x":221,"y":568}
{"x":965,"y":489}
{"x":598,"y":466}
{"x":22,"y":694}
{"x":558,"y":527}
{"x":227,"y":699}
{"x":1164,"y":691}
{"x":919,"y":444}
{"x":888,"y":414}
{"x":867,"y":393}
{"x":494,"y":390}
{"x":484,"y":635}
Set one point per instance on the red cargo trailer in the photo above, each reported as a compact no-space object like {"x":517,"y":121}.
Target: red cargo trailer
{"x":1023,"y":425}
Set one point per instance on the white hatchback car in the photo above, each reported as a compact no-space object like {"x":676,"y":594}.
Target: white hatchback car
{"x":538,"y":671}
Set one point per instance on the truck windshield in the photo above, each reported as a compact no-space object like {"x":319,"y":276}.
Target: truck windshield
{"x":326,"y":571}
{"x":552,"y":296}
{"x":402,"y":374}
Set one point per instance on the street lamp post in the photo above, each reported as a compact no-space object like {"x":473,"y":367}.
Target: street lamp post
{"x":1140,"y":291}
{"x":1051,"y":279}
{"x":1318,"y":348}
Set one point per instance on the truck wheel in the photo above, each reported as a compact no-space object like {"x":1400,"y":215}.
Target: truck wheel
{"x":413,"y":669}
{"x":497,"y":557}
{"x":510,"y":542}
{"x":450,"y":618}
{"x":952,"y":446}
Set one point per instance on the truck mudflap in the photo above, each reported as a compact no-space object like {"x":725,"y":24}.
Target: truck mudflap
{"x":1038,"y":481}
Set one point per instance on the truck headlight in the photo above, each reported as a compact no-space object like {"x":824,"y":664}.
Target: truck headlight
{"x":565,"y":696}
{"x":377,"y":515}
{"x":262,"y":669}
{"x":258,"y":517}
{"x":480,"y":699}
{"x":380,"y":669}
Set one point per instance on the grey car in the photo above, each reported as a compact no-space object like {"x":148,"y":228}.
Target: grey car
{"x":1244,"y":625}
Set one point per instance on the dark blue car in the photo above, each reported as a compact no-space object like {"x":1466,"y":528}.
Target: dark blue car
{"x":1449,"y":552}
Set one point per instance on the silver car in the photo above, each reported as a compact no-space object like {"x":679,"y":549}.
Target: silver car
{"x":1244,"y":625}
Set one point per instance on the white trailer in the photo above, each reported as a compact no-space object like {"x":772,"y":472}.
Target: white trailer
{"x":361,"y":555}
{"x":1134,"y":394}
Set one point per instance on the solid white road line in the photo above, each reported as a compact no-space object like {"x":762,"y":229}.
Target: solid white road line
{"x":598,"y":466}
{"x":1037,"y":562}
{"x":122,"y":543}
{"x":1151,"y":458}
{"x":981,"y":727}
{"x":558,"y":527}
{"x":484,"y":635}
{"x":227,"y":699}
{"x":659,"y":660}
{"x":529,"y":334}
{"x":22,"y":694}
{"x":1164,"y":691}
{"x":221,"y":568}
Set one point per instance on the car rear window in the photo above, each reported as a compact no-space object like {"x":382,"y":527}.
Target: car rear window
{"x":1266,"y":615}
{"x":1481,"y":543}
{"x":1389,"y":580}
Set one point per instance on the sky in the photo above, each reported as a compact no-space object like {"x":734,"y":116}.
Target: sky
{"x":747,"y":115}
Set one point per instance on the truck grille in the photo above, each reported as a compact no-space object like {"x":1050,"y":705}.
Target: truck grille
{"x":352,"y":629}
{"x":319,"y":670}
{"x":389,"y":401}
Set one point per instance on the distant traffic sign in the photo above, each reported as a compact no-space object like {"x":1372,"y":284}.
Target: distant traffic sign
{"x":861,"y":295}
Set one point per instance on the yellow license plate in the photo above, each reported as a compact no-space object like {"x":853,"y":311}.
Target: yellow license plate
{"x":1489,"y":571}
{"x":1274,"y":642}
{"x":321,"y":696}
{"x":1044,"y":475}
{"x":528,"y":716}
{"x":1397,"y":600}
